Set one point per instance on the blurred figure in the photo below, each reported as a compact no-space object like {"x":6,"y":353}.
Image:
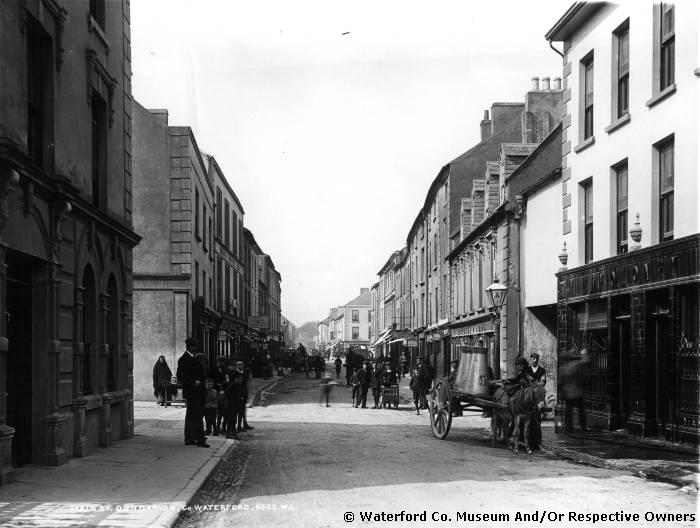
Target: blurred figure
{"x":338,"y":365}
{"x":403,"y":365}
{"x":415,"y":387}
{"x":571,"y":380}
{"x":325,"y":388}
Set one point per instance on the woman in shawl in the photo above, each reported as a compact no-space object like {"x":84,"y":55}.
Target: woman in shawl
{"x":161,"y":381}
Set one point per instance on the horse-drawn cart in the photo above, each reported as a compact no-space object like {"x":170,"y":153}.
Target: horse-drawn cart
{"x":470,"y":391}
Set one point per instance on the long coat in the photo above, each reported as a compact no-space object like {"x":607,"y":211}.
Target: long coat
{"x":190,"y":370}
{"x":161,"y":376}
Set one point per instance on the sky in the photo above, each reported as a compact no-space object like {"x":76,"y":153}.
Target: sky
{"x":330,"y":119}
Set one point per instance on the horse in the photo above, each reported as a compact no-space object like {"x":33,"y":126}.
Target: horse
{"x":518,"y":412}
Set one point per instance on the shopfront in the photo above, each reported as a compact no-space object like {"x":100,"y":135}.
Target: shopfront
{"x":636,"y":315}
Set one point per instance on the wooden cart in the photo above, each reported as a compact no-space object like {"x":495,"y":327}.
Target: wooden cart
{"x":470,"y":391}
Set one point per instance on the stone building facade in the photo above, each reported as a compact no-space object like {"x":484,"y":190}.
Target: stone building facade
{"x":66,"y":233}
{"x":174,"y":266}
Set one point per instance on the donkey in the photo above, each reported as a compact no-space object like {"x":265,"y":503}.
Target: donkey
{"x":518,"y":412}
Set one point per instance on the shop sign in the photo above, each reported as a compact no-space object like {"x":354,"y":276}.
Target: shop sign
{"x":481,"y":328}
{"x":258,"y":321}
{"x":222,"y":335}
{"x":411,"y":342}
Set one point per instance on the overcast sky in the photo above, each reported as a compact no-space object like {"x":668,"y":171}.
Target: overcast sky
{"x":330,"y":118}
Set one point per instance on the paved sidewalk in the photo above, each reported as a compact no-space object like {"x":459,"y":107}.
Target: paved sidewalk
{"x":143,"y":481}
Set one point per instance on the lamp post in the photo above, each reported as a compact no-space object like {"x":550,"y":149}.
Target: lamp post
{"x":497,"y":296}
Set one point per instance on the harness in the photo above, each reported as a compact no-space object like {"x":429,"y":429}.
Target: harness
{"x":519,"y":402}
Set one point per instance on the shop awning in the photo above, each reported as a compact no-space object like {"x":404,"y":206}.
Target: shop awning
{"x":382,"y":338}
{"x":399,"y":335}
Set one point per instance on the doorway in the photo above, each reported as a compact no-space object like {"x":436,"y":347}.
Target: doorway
{"x":19,"y":356}
{"x":621,"y":348}
{"x":659,"y":360}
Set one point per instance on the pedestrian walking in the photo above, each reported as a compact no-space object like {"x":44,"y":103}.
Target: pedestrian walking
{"x":338,"y":366}
{"x":403,"y":365}
{"x":218,"y":376}
{"x":163,"y":389}
{"x":376,"y":384}
{"x":416,"y":389}
{"x":241,"y":368}
{"x":426,"y":374}
{"x":325,"y":389}
{"x":571,"y":381}
{"x":355,"y":381}
{"x":190,"y":373}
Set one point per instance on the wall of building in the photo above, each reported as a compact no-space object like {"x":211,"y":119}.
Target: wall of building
{"x":634,"y":140}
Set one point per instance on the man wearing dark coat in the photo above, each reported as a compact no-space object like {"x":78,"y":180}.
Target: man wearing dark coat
{"x":375,"y":382}
{"x":364,"y":377}
{"x":190,"y":374}
{"x":426,"y":374}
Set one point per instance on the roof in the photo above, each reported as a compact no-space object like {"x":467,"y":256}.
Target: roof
{"x":572,"y":20}
{"x":361,"y":300}
{"x":390,"y":262}
{"x":212,"y":161}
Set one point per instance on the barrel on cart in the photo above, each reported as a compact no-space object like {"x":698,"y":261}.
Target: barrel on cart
{"x":470,"y":391}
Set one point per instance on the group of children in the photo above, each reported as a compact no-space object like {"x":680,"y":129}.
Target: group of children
{"x":226,"y":398}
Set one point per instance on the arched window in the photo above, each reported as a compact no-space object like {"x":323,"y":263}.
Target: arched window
{"x":87,"y":330}
{"x":112,"y":334}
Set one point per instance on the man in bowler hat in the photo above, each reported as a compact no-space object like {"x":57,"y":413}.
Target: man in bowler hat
{"x":190,"y":373}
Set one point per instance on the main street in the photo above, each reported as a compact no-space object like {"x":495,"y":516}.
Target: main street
{"x":309,"y":465}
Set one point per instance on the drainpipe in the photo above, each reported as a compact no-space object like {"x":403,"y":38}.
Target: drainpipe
{"x":555,"y":49}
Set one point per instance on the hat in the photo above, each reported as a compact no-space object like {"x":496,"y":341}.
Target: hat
{"x":521,"y":361}
{"x":454,"y":362}
{"x":534,"y":354}
{"x":191,"y":342}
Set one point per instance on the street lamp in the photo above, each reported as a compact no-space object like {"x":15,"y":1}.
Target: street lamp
{"x":497,"y":296}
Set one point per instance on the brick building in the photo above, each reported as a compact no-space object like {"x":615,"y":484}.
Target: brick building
{"x":66,"y":233}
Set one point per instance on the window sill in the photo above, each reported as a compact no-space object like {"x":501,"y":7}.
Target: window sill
{"x":584,"y":144}
{"x":618,"y":123}
{"x":666,"y":92}
{"x":94,"y":27}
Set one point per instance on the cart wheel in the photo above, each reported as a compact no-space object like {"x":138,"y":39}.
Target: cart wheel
{"x":440,"y":409}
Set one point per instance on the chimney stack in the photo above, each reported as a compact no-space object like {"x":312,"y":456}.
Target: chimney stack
{"x":485,"y":126}
{"x":557,"y":83}
{"x":534,"y":83}
{"x":160,"y":114}
{"x":364,"y":290}
{"x":544,"y":85}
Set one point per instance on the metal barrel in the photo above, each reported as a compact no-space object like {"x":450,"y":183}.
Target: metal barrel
{"x":473,"y":371}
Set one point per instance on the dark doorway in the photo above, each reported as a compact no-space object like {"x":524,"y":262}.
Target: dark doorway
{"x":19,"y":356}
{"x":621,"y":349}
{"x":659,"y":360}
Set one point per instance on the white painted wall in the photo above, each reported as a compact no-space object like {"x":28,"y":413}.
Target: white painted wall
{"x":676,"y":114}
{"x":541,"y":243}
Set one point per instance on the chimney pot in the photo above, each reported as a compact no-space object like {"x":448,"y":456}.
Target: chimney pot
{"x":545,"y":83}
{"x":486,"y":115}
{"x":535,"y":83}
{"x":557,"y":83}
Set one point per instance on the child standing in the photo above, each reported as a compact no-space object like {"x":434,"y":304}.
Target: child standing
{"x":234,"y":393}
{"x":414,"y":386}
{"x":211,"y":405}
{"x":355,"y":382}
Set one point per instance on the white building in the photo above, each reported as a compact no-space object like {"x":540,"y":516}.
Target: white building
{"x":630,"y":150}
